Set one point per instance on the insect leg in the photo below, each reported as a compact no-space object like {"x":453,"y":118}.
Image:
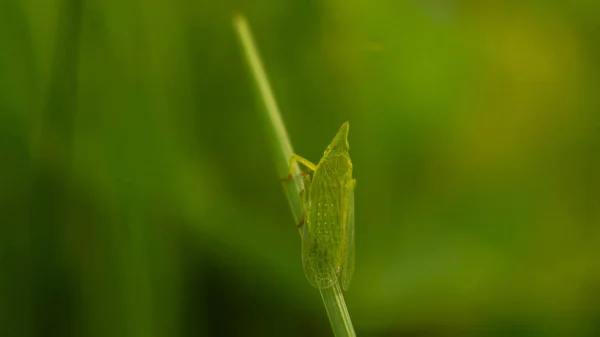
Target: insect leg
{"x":296,"y":159}
{"x":289,"y":177}
{"x":304,"y":201}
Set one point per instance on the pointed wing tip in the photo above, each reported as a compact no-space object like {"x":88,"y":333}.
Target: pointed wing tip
{"x":322,"y":284}
{"x":346,"y":281}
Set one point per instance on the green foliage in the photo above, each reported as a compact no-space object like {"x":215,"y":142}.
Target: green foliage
{"x":139,"y":198}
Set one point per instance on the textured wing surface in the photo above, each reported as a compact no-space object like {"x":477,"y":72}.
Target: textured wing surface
{"x":348,"y":266}
{"x":322,"y":245}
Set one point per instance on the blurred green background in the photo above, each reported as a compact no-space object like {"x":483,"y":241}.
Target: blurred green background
{"x":139,"y":195}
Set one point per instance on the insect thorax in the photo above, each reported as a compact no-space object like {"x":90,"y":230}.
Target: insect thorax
{"x":338,"y":166}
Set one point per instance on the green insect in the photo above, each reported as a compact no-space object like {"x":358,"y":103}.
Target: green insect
{"x":327,"y":220}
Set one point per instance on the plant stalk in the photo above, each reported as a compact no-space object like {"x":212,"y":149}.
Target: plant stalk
{"x":333,"y":298}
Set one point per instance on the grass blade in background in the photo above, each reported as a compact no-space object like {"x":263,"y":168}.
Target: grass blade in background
{"x":282,"y":151}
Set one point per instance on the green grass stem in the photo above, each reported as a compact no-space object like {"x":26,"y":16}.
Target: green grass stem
{"x":333,"y":298}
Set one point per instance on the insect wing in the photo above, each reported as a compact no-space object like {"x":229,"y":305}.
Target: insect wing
{"x":322,"y":235}
{"x":317,"y":270}
{"x":348,"y":267}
